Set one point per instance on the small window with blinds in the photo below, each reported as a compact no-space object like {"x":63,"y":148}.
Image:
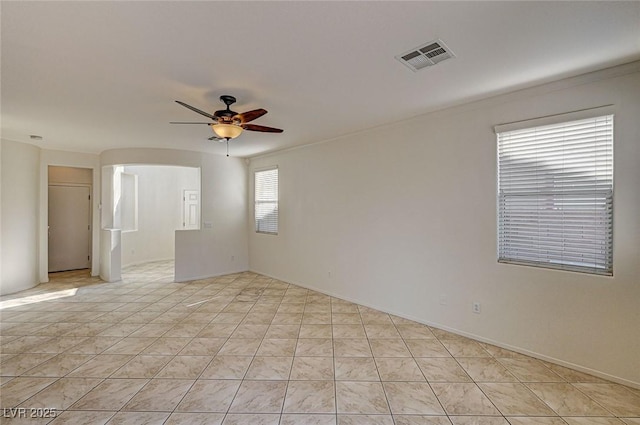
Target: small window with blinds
{"x":555,"y":196}
{"x":266,"y":201}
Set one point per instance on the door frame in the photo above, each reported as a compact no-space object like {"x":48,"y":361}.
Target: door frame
{"x":88,"y":186}
{"x":76,"y":160}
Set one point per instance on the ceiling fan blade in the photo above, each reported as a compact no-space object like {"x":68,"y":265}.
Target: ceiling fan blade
{"x":194,"y":109}
{"x":250,"y":115}
{"x":182,"y":122}
{"x":264,"y":129}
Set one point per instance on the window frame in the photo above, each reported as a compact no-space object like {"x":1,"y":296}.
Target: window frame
{"x":256,"y":202}
{"x":544,"y":261}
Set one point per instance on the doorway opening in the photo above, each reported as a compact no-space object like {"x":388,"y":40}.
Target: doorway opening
{"x":148,"y":204}
{"x":69,"y":219}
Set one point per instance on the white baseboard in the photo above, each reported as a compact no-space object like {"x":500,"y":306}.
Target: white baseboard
{"x":190,"y":278}
{"x":155,"y":260}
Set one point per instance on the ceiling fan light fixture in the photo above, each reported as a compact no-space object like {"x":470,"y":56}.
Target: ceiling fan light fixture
{"x":228,"y":124}
{"x":227,"y":131}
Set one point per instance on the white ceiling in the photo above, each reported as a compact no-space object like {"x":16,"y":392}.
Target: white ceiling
{"x":90,"y":76}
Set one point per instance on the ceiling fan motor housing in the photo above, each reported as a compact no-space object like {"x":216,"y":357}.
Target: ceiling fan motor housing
{"x":226,"y":114}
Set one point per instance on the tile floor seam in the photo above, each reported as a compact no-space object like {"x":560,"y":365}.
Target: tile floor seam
{"x":540,"y":398}
{"x":286,"y":390}
{"x":333,"y":347}
{"x":242,"y":380}
{"x":477,"y":386}
{"x":492,"y":402}
{"x":158,"y":296}
{"x":386,"y":397}
{"x":595,"y":401}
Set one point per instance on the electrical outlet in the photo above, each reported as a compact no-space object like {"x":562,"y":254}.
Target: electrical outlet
{"x":476,"y":308}
{"x":443,"y":299}
{"x":233,"y":257}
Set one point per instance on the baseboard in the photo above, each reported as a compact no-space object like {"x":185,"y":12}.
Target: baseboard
{"x":190,"y":278}
{"x":156,"y":260}
{"x":479,"y":338}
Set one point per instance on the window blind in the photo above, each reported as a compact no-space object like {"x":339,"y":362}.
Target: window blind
{"x":555,"y":195}
{"x":266,"y":201}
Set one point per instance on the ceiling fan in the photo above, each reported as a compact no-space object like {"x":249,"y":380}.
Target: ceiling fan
{"x":227,"y":124}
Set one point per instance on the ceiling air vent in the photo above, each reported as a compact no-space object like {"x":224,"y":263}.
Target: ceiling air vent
{"x":426,"y":55}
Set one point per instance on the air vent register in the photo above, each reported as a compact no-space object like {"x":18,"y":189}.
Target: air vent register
{"x":427,"y":55}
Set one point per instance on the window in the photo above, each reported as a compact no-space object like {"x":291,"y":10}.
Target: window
{"x":266,"y":201}
{"x":555,"y":195}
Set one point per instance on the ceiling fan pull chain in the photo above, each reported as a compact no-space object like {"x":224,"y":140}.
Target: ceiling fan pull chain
{"x":227,"y":147}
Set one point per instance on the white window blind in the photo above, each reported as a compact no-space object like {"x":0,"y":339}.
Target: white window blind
{"x":555,"y":195}
{"x":266,"y":201}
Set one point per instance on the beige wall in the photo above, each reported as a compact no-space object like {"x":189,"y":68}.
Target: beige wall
{"x":19,"y":204}
{"x":72,"y":175}
{"x":404,"y":215}
{"x":25,"y":177}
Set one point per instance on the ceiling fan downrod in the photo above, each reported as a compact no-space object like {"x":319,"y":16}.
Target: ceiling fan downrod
{"x":228,"y":100}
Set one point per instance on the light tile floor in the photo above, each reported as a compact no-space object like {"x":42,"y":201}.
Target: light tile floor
{"x":247,"y":349}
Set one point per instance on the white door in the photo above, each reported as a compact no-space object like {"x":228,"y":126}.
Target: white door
{"x":191,"y":209}
{"x":69,"y":228}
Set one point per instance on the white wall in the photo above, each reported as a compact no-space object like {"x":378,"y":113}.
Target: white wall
{"x":20,"y":201}
{"x":1,"y":180}
{"x":399,"y":216}
{"x":110,"y":255}
{"x":160,"y":190}
{"x":221,"y":248}
{"x":106,"y":197}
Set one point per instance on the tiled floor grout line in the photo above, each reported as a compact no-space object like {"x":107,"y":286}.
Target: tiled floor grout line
{"x":376,"y":365}
{"x":24,"y":374}
{"x":593,"y":400}
{"x":293,"y":358}
{"x":263,"y":338}
{"x":194,"y":381}
{"x":333,"y":350}
{"x":149,"y":380}
{"x":249,"y":366}
{"x":474,"y":381}
{"x":150,"y":292}
{"x":245,"y":372}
